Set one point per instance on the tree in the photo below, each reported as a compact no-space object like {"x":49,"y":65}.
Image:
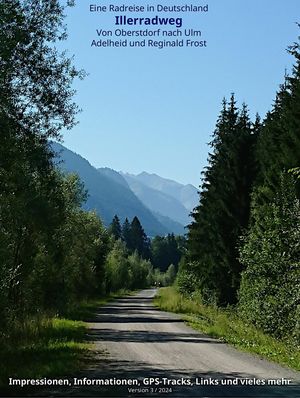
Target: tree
{"x":279,"y":141}
{"x":115,"y":228}
{"x":139,"y":271}
{"x":170,"y":275}
{"x":166,"y":251}
{"x":138,"y":239}
{"x":35,"y":78}
{"x":223,"y":211}
{"x":270,"y":287}
{"x":126,"y":233}
{"x":36,"y":102}
{"x":117,"y":268}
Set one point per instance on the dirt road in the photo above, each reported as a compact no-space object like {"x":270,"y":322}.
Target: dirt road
{"x":141,"y":342}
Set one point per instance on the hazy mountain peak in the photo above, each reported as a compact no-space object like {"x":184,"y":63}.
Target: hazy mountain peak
{"x":108,"y":195}
{"x":187,"y":194}
{"x":162,"y":205}
{"x":113,"y":174}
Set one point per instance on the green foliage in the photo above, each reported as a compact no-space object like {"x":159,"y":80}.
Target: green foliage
{"x":125,"y":270}
{"x":167,"y":250}
{"x":126,"y":230}
{"x":50,"y":265}
{"x":117,"y":268}
{"x":35,"y":78}
{"x":248,"y":200}
{"x":226,"y":325}
{"x":187,"y":282}
{"x":159,"y":278}
{"x":138,"y":240}
{"x":53,"y":255}
{"x":279,"y":141}
{"x":269,"y":294}
{"x":170,"y":275}
{"x":140,"y":271}
{"x":224,"y":205}
{"x":49,"y":347}
{"x":36,"y":202}
{"x":115,"y":228}
{"x":270,"y":287}
{"x":132,"y":234}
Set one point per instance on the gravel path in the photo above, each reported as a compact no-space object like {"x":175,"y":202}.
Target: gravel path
{"x":136,"y":341}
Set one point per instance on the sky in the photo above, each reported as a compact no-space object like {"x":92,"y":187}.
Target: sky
{"x":146,"y":109}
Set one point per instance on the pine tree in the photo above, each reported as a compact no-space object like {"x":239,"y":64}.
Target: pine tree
{"x":166,"y":250}
{"x":269,"y":293}
{"x":126,"y":233}
{"x":279,"y":141}
{"x":138,"y":239}
{"x":224,"y":205}
{"x":115,"y":228}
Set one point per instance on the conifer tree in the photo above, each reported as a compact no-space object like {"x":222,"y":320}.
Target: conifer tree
{"x":126,"y":233}
{"x":166,"y":250}
{"x":269,"y":292}
{"x":115,"y":228}
{"x":138,"y":239}
{"x":279,"y":141}
{"x":224,"y":205}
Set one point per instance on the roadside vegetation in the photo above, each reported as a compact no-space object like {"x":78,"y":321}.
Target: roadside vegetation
{"x":49,"y":346}
{"x":228,"y":326}
{"x":243,"y":254}
{"x":43,"y":347}
{"x":56,"y":259}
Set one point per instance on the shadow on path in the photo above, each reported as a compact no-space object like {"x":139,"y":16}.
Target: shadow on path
{"x":138,"y":310}
{"x":141,"y":336}
{"x":129,"y":370}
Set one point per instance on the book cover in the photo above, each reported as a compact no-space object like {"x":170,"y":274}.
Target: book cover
{"x":149,"y":198}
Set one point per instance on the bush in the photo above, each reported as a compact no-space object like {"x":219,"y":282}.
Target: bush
{"x":187,"y":282}
{"x":270,"y":287}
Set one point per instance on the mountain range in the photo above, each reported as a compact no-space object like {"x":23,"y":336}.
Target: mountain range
{"x":162,"y":205}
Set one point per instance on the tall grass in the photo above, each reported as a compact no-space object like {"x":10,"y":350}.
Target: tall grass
{"x":42,"y":347}
{"x":48,"y":346}
{"x":226,"y":325}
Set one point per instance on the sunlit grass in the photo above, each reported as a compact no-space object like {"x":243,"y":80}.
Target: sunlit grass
{"x":86,"y":309}
{"x":47,"y":346}
{"x":42,"y":347}
{"x":228,"y":327}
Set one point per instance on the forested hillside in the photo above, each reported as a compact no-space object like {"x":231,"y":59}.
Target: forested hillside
{"x":108,"y":192}
{"x":243,"y":243}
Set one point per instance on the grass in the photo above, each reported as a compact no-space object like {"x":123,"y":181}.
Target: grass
{"x":228,"y":327}
{"x":42,"y":347}
{"x":86,"y":309}
{"x":48,"y":346}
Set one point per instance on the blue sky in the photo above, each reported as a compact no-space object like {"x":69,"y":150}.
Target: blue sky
{"x":155,"y":110}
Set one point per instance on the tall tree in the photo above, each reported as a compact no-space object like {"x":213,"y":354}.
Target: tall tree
{"x":35,"y":103}
{"x":224,"y":205}
{"x":126,"y":233}
{"x":115,"y":228}
{"x":138,"y":239}
{"x":166,"y":251}
{"x":269,"y":295}
{"x":36,"y":78}
{"x":279,"y":141}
